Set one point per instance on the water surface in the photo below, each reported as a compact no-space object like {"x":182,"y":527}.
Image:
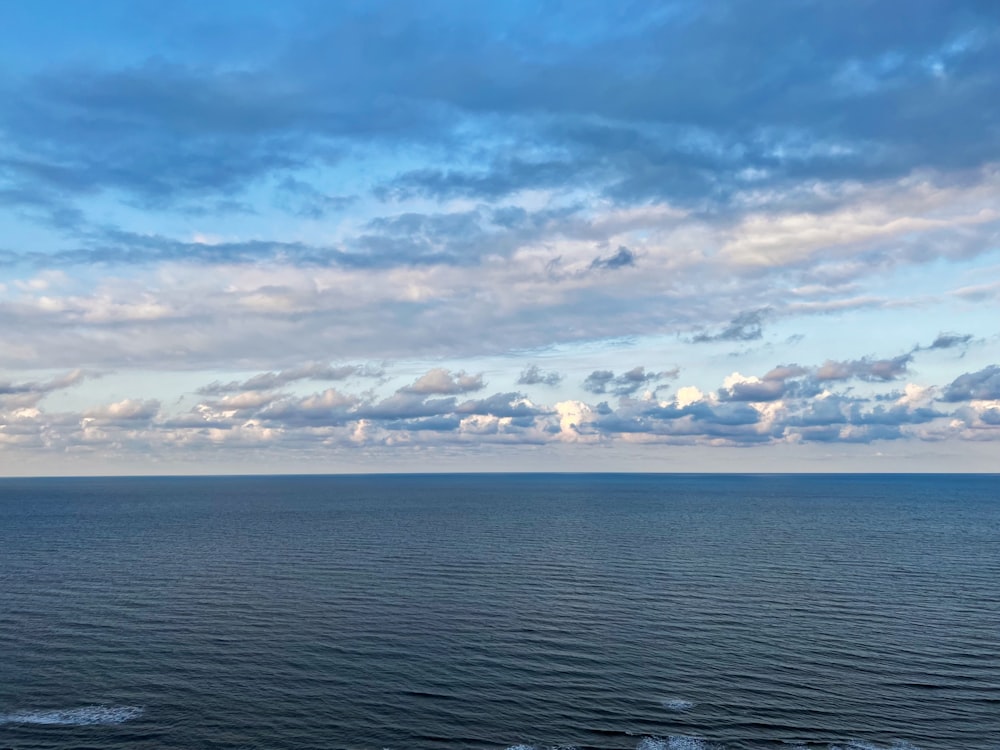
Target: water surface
{"x":488,"y":611}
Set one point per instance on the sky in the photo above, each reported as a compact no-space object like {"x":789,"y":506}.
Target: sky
{"x":315,"y":237}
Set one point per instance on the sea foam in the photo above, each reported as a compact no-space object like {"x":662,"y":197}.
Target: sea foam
{"x":84,"y":716}
{"x":679,"y":742}
{"x":678,"y":704}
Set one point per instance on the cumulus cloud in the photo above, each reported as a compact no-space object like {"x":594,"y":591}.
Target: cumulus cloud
{"x":739,"y":388}
{"x":745,"y":411}
{"x":126,"y":410}
{"x":981,"y":385}
{"x":501,"y":405}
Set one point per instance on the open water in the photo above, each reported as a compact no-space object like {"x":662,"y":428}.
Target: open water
{"x":486,"y":611}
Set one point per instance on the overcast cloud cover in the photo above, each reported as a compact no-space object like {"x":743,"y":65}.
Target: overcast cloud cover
{"x":375,"y":236}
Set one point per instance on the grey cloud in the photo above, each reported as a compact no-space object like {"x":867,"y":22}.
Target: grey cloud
{"x":500,"y":405}
{"x":622,"y":258}
{"x":503,"y":177}
{"x":432,"y":424}
{"x":533,"y":375}
{"x":402,"y":405}
{"x":746,"y":326}
{"x":598,"y":381}
{"x":29,"y":393}
{"x":42,"y":386}
{"x":784,"y":372}
{"x":991,"y":416}
{"x":246,"y":403}
{"x":332,"y":417}
{"x":440,"y":381}
{"x":981,"y":385}
{"x":704,"y":412}
{"x":626,"y":384}
{"x":196,"y":421}
{"x":110,"y":245}
{"x":870,"y":99}
{"x":46,"y":206}
{"x":822,"y":412}
{"x":766,"y":390}
{"x":794,"y":380}
{"x":302,"y":199}
{"x":874,"y":370}
{"x":862,"y":434}
{"x":950,"y":340}
{"x":849,"y":420}
{"x":895,"y":415}
{"x":127,"y":411}
{"x":277,"y":379}
{"x":331,"y":407}
{"x":734,"y":423}
{"x":723,"y":414}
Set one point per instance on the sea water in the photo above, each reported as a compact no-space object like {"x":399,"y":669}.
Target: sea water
{"x":497,"y":611}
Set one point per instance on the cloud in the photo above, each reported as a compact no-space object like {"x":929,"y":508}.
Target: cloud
{"x":622,"y":258}
{"x":304,"y":200}
{"x":626,"y":384}
{"x":125,"y":411}
{"x":29,"y":393}
{"x":950,"y":340}
{"x":511,"y":405}
{"x":752,"y":389}
{"x":983,"y":385}
{"x":743,"y":412}
{"x":991,"y":416}
{"x":865,"y":369}
{"x":784,"y":372}
{"x":328,"y":407}
{"x":441,"y":381}
{"x":42,"y":387}
{"x":533,"y":375}
{"x":380,"y":183}
{"x":746,"y":326}
{"x":277,"y":379}
{"x":605,"y":109}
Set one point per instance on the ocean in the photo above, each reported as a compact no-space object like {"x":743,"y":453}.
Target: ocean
{"x":645,"y":612}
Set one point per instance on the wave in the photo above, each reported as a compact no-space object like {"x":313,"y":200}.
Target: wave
{"x":84,"y":716}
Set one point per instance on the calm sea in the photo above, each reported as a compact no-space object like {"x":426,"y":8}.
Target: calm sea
{"x":488,"y":611}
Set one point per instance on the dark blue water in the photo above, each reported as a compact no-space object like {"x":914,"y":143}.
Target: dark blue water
{"x":644,"y":612}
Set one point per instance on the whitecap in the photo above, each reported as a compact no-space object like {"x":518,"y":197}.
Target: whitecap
{"x":678,"y":742}
{"x":84,"y":716}
{"x":678,"y":704}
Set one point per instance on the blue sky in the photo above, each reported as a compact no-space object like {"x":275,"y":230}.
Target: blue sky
{"x":326,"y":237}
